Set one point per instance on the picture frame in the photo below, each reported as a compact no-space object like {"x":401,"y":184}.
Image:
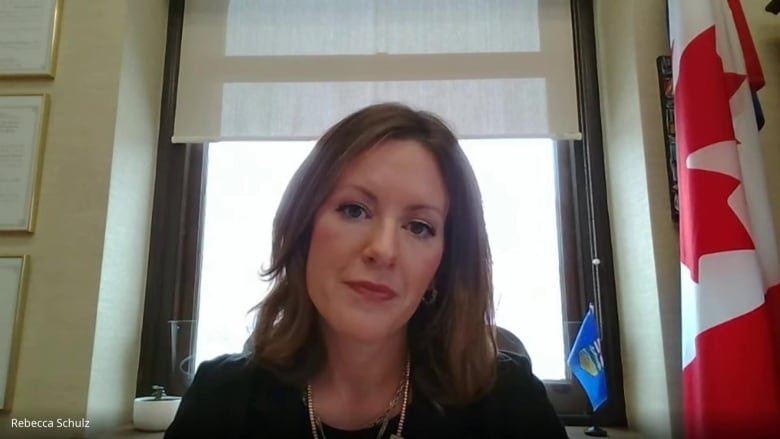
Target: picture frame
{"x":13,"y":287}
{"x":666,"y":92}
{"x":23,"y":121}
{"x":29,"y":38}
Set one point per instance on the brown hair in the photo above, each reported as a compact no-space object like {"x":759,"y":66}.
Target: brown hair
{"x":451,"y":341}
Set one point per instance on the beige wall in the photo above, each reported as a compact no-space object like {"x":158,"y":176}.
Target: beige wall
{"x":126,"y":241}
{"x":631,"y":34}
{"x":81,"y":330}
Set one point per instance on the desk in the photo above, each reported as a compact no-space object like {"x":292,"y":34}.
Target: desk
{"x":574,"y":433}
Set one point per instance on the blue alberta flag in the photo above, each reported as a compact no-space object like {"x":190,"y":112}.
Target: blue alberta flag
{"x":586,"y":362}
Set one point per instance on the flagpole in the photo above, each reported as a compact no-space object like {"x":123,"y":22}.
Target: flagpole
{"x":594,"y":429}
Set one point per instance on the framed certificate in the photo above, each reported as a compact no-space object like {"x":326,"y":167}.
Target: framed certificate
{"x":22,"y":128}
{"x":13,"y":276}
{"x":29,"y":35}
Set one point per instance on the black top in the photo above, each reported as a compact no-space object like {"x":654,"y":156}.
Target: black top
{"x":232,"y":398}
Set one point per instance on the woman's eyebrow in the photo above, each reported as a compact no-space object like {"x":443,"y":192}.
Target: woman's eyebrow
{"x":413,"y":207}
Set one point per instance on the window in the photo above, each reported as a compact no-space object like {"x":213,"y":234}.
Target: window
{"x":544,"y":191}
{"x":244,"y":188}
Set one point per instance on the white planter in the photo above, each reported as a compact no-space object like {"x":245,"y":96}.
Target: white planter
{"x":151,"y":415}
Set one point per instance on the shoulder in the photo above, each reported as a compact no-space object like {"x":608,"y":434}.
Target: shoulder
{"x":518,"y":405}
{"x":222,"y":376}
{"x":513,"y":372}
{"x":223,"y":369}
{"x":515,"y":382}
{"x":219,"y":392}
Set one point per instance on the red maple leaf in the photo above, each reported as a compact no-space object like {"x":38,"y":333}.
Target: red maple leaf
{"x":703,"y":118}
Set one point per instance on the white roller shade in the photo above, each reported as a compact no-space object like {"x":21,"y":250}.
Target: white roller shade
{"x":288,"y":69}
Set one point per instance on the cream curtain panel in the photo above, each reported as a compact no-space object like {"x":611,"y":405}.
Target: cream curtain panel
{"x":288,"y":69}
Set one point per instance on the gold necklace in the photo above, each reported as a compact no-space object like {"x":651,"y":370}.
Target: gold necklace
{"x":399,"y":391}
{"x":316,"y":424}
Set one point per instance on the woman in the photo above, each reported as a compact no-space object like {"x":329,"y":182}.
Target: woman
{"x":380,"y":320}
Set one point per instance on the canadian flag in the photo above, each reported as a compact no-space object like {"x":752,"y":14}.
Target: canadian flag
{"x":729,"y":258}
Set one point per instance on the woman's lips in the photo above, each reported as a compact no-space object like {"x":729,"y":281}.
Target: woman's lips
{"x":372,"y":291}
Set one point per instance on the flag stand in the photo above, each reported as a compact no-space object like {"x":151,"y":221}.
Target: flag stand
{"x":594,"y":429}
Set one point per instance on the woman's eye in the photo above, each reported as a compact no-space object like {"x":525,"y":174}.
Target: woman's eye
{"x":421,"y":229}
{"x":357,"y":211}
{"x":353,"y":211}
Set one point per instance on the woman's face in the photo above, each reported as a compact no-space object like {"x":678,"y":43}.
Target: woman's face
{"x":377,"y":241}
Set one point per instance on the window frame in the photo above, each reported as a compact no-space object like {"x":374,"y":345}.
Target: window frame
{"x":592,"y":226}
{"x":177,"y":220}
{"x":175,"y":237}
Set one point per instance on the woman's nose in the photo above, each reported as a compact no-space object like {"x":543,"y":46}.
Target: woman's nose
{"x":382,"y":245}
